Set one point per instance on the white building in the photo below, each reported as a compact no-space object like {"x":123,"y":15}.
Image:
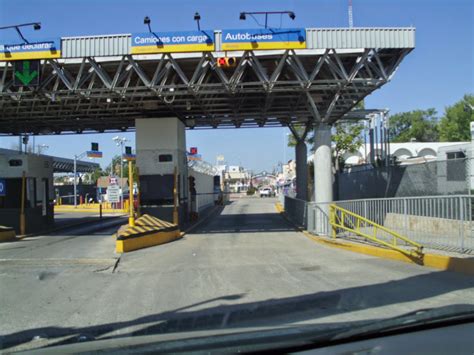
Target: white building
{"x":408,"y":152}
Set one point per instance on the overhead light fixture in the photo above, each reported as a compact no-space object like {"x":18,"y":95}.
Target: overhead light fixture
{"x":243,"y":15}
{"x":197,"y":18}
{"x":147,"y":22}
{"x":36,"y":27}
{"x":190,"y":122}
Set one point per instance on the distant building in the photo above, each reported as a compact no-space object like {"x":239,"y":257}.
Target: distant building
{"x":236,"y":178}
{"x":408,"y":152}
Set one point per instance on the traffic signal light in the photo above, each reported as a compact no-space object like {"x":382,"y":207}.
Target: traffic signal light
{"x":128,"y":150}
{"x":226,"y":62}
{"x":192,"y":185}
{"x":95,"y":147}
{"x":193,"y":150}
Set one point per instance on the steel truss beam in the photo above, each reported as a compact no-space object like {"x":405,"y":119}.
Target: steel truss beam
{"x":262,"y":90}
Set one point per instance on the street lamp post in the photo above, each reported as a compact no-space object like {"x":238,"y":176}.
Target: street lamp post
{"x":120,"y":142}
{"x":76,"y":157}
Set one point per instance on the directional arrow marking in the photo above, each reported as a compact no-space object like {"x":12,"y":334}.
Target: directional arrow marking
{"x":26,"y":77}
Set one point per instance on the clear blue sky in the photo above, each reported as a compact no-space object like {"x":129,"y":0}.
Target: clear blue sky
{"x":436,"y":74}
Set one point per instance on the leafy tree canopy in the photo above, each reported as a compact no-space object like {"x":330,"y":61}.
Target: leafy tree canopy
{"x":454,"y":126}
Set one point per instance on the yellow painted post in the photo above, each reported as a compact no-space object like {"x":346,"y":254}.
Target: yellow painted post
{"x":131,"y":217}
{"x":175,"y":197}
{"x":138,"y":188}
{"x":22,"y":211}
{"x":332,"y":220}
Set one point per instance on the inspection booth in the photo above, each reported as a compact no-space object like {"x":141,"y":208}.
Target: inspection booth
{"x":36,"y":187}
{"x":161,"y":150}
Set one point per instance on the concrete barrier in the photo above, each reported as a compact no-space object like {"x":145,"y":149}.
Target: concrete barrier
{"x":7,"y":234}
{"x":148,"y":231}
{"x":427,"y":225}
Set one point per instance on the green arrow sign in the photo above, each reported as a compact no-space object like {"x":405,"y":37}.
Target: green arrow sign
{"x":26,"y":75}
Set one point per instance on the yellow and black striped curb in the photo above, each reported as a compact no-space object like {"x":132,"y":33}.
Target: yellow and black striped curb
{"x":145,"y":225}
{"x":148,"y":231}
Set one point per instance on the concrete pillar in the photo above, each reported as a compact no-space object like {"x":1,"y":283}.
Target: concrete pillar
{"x":470,"y":160}
{"x":301,"y":170}
{"x":160,"y":147}
{"x":322,"y":175}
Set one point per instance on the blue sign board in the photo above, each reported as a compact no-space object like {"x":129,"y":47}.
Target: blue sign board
{"x":3,"y":187}
{"x":37,"y":50}
{"x":264,"y":38}
{"x":167,"y":42}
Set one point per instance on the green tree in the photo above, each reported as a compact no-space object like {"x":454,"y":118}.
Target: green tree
{"x":421,"y":125}
{"x":114,"y":167}
{"x":455,"y":123}
{"x":347,"y":139}
{"x":95,"y":175}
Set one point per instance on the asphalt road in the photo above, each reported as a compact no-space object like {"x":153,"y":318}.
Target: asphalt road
{"x":245,"y":267}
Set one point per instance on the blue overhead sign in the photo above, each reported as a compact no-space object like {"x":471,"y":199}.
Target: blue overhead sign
{"x":3,"y":187}
{"x":167,"y":42}
{"x":38,"y":50}
{"x":264,"y":38}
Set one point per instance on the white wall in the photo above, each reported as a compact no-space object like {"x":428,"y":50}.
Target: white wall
{"x":204,"y":189}
{"x":156,"y":136}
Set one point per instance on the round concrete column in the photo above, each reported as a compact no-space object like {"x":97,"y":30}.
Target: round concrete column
{"x":301,"y":170}
{"x":322,"y":175}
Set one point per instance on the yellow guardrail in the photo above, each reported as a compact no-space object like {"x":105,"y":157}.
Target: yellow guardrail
{"x":352,"y":222}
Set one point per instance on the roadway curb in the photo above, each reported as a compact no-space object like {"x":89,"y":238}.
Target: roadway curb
{"x":71,"y":225}
{"x":436,"y":261}
{"x":7,"y":234}
{"x":157,"y":238}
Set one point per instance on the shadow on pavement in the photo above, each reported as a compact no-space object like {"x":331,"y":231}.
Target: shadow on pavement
{"x":245,"y":223}
{"x":270,"y":312}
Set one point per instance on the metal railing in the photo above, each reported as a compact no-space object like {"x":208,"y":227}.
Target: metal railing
{"x":441,"y":222}
{"x":342,"y":219}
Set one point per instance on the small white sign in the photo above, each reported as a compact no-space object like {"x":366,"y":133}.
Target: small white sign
{"x":113,"y":193}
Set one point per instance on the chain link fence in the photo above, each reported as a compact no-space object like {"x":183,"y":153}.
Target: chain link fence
{"x":441,"y":177}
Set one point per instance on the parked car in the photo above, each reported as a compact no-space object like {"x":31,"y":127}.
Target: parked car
{"x":266,"y":192}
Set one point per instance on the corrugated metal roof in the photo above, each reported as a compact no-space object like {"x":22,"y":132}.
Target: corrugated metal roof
{"x":346,"y":38}
{"x":95,"y":46}
{"x":317,"y":38}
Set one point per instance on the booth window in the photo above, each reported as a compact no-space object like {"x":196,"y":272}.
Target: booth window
{"x":455,"y":166}
{"x":165,"y":158}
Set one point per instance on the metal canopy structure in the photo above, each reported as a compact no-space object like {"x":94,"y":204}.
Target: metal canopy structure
{"x":99,"y":86}
{"x":65,"y":165}
{"x":62,"y":165}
